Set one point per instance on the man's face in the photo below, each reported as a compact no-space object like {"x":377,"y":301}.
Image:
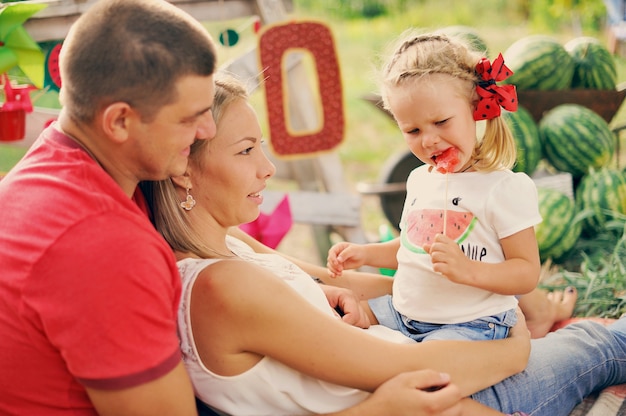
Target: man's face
{"x":162,"y":145}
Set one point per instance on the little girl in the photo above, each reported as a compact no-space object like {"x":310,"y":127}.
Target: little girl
{"x":467,"y":243}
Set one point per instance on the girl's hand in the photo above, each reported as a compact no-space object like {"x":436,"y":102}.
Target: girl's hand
{"x":342,"y":256}
{"x":449,"y":260}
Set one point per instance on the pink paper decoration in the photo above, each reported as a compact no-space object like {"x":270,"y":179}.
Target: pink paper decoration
{"x":270,"y":228}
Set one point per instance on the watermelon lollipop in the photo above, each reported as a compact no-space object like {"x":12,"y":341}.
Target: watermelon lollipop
{"x":447,"y":161}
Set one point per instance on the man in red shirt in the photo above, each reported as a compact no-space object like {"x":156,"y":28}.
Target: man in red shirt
{"x":88,"y":289}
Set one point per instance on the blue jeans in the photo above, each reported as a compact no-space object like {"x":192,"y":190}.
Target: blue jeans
{"x":564,"y":367}
{"x":486,"y":328}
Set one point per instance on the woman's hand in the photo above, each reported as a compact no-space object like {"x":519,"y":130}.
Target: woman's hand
{"x":521,"y":335}
{"x":415,"y":393}
{"x":520,"y":330}
{"x":348,"y":303}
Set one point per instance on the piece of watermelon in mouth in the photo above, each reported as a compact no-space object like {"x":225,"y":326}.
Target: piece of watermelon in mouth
{"x":447,"y":161}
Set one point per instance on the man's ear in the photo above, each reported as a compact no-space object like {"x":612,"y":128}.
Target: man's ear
{"x":117,"y":119}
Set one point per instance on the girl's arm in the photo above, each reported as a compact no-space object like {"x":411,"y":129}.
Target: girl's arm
{"x":517,"y":274}
{"x":345,"y":256}
{"x":241,"y":312}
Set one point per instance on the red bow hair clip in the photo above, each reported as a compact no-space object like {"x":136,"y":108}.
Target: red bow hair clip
{"x":492,"y":96}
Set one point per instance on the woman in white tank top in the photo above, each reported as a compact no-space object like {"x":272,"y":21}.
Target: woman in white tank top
{"x":259,"y":336}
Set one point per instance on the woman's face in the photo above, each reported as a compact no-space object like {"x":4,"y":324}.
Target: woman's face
{"x":434,"y":114}
{"x":232,"y":171}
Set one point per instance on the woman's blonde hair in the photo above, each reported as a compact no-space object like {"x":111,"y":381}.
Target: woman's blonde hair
{"x":417,"y":55}
{"x":162,"y":196}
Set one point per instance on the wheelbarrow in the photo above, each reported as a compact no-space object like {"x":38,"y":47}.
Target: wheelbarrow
{"x":391,"y":186}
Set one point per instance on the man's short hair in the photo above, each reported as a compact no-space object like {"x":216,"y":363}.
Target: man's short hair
{"x":132,"y":51}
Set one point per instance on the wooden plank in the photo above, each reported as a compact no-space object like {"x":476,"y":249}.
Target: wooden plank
{"x":60,"y":8}
{"x":604,"y":102}
{"x":53,"y":22}
{"x":317,"y":208}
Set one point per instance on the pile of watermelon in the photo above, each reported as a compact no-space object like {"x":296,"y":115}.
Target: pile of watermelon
{"x":541,"y":62}
{"x":576,"y":139}
{"x":572,"y":138}
{"x":568,"y":138}
{"x":597,"y":210}
{"x":559,"y":231}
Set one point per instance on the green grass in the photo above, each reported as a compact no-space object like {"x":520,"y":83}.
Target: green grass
{"x":9,"y":155}
{"x":599,"y":277}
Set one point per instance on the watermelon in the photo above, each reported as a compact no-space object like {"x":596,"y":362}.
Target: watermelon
{"x":526,"y":135}
{"x":558,"y":232}
{"x":447,"y":161}
{"x":602,"y":194}
{"x":594,"y":65}
{"x":539,"y":62}
{"x":52,"y":76}
{"x":466,"y":34}
{"x":422,"y":226}
{"x":574,"y":138}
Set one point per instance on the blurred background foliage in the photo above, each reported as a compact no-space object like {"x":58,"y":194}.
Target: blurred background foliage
{"x":363,"y":29}
{"x":540,"y":14}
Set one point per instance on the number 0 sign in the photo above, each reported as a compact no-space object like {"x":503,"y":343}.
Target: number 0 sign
{"x":275,"y":43}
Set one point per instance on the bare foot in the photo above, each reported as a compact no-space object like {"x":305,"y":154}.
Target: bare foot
{"x":543,"y":309}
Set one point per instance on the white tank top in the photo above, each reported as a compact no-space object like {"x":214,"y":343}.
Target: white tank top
{"x":270,"y":387}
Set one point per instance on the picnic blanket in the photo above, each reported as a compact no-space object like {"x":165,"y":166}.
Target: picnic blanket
{"x":608,"y":402}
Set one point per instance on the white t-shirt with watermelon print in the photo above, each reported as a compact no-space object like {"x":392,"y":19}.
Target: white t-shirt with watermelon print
{"x":480,"y":210}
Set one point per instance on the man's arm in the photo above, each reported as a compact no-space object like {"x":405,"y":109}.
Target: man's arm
{"x":170,"y":395}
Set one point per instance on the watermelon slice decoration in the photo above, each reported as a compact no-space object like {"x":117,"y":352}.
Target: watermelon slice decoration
{"x":422,"y":225}
{"x":53,"y":75}
{"x":447,"y":161}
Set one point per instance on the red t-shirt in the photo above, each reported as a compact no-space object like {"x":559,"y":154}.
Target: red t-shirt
{"x":88,"y":289}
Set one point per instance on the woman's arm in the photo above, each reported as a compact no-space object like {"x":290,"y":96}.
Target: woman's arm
{"x":259,"y":315}
{"x":406,"y":394}
{"x":364,"y":285}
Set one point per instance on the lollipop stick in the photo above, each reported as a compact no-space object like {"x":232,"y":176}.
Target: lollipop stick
{"x":445,"y":207}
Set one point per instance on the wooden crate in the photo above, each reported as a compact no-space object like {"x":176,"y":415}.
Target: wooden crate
{"x":604,"y":102}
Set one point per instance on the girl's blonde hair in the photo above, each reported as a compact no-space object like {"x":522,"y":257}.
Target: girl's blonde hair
{"x":417,"y":55}
{"x":162,"y":197}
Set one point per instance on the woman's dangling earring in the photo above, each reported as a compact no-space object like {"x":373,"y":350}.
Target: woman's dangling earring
{"x":189,"y":202}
